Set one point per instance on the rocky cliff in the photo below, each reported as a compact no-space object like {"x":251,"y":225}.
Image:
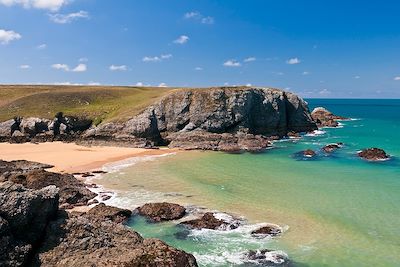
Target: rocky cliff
{"x":223,"y":118}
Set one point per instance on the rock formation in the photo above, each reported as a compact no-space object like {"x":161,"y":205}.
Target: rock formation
{"x":268,"y":230}
{"x":157,"y":212}
{"x":309,"y":153}
{"x":225,"y":118}
{"x":332,"y":147}
{"x":209,"y":221}
{"x":325,"y":118}
{"x":266,"y":257}
{"x":373,"y":154}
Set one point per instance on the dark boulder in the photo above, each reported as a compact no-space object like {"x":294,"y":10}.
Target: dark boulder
{"x":157,"y":212}
{"x":209,"y":221}
{"x":332,"y":147}
{"x":103,"y":213}
{"x":309,"y":153}
{"x":269,"y":230}
{"x":373,"y":154}
{"x":266,"y":257}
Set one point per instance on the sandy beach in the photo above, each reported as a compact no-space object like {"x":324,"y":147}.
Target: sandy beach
{"x":70,"y":157}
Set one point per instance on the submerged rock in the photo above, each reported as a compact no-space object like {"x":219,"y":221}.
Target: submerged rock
{"x":325,"y":118}
{"x":373,"y":154}
{"x":157,"y":212}
{"x":332,"y":147}
{"x":269,"y":230}
{"x":266,"y":257}
{"x":209,"y":221}
{"x":309,"y":153}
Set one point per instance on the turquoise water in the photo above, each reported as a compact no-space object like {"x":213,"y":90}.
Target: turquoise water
{"x":338,"y":210}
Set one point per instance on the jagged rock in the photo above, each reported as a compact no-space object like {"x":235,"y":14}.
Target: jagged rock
{"x":325,"y":118}
{"x":373,"y":154}
{"x":266,"y":257}
{"x":103,"y":212}
{"x":24,"y":215}
{"x":34,"y":126}
{"x":157,"y":212}
{"x":209,"y":221}
{"x":269,"y":230}
{"x":332,"y":147}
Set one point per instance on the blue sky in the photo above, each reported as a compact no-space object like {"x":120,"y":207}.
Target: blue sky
{"x":314,"y":48}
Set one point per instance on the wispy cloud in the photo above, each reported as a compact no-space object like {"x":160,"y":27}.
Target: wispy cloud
{"x":249,"y":59}
{"x":41,"y":46}
{"x":357,"y":77}
{"x":306,"y":73}
{"x":68,"y":18}
{"x":118,"y":68}
{"x":52,"y":5}
{"x":8,"y":36}
{"x":198,"y":68}
{"x":83,"y":59}
{"x":293,"y":61}
{"x":79,"y":68}
{"x":157,"y":58}
{"x":324,"y":92}
{"x":183,"y":39}
{"x":397,"y":78}
{"x":232,"y":63}
{"x":197,"y":16}
{"x":25,"y":67}
{"x":162,"y":85}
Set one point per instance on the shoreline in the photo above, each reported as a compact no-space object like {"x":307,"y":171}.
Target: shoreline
{"x":73,"y":158}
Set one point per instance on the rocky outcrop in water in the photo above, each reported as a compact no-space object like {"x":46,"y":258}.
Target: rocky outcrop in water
{"x":332,"y":147}
{"x":157,"y":212}
{"x":268,"y":230}
{"x":209,"y":221}
{"x":325,"y":118}
{"x":34,"y":232}
{"x":309,"y":153}
{"x":373,"y":154}
{"x":266,"y":257}
{"x":34,"y":176}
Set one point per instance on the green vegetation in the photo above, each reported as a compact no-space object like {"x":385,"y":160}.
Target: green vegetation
{"x":100,"y":103}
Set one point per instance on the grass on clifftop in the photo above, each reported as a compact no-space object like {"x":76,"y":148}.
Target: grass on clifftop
{"x":100,"y":103}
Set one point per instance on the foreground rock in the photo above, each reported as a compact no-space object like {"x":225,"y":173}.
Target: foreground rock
{"x":24,"y":216}
{"x":373,"y":154}
{"x":325,"y":118}
{"x":34,"y":176}
{"x":209,"y":221}
{"x":269,"y":230}
{"x":33,"y":232}
{"x":332,"y":147}
{"x":266,"y":257}
{"x":157,"y":212}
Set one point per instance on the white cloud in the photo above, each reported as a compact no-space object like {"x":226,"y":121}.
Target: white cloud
{"x":397,"y":78}
{"x":248,"y":85}
{"x":139,"y":84}
{"x":52,"y":5}
{"x":293,"y":61}
{"x":157,"y":58}
{"x":118,"y":68}
{"x":94,"y":83}
{"x":195,"y":15}
{"x":232,"y":63}
{"x":59,"y":66}
{"x":151,"y":59}
{"x":162,"y":85}
{"x":80,"y":68}
{"x":8,"y":36}
{"x":183,"y":39}
{"x":249,"y":59}
{"x":198,"y":68}
{"x":324,"y":92}
{"x":25,"y":66}
{"x":207,"y":20}
{"x":41,"y":46}
{"x":68,"y":18}
{"x":306,"y":73}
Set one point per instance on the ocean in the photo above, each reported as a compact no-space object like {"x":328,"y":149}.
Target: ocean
{"x":336,"y":209}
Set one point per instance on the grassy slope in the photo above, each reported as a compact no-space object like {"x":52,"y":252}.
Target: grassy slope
{"x":101,"y":103}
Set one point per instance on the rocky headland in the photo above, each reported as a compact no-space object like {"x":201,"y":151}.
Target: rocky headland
{"x":224,"y":118}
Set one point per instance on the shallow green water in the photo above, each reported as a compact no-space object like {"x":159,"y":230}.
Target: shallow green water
{"x":338,"y":209}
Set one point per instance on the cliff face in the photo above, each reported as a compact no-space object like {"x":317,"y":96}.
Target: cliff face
{"x":226,"y":118}
{"x":217,"y":119}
